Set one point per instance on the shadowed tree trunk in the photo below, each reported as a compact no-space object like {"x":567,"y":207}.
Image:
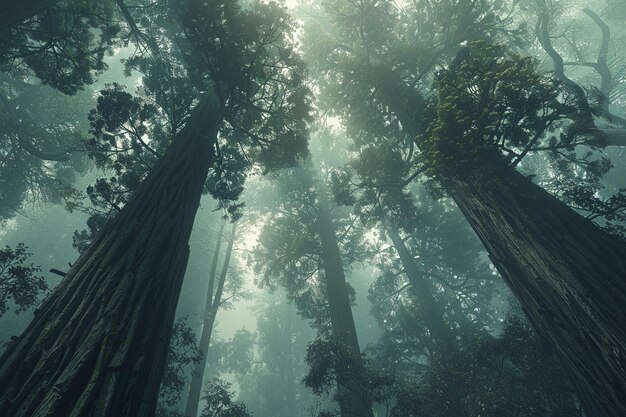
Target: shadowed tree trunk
{"x":432,"y":313}
{"x":15,"y":12}
{"x":352,"y":390}
{"x":97,"y":346}
{"x":430,"y":309}
{"x":568,"y":274}
{"x":213,"y":301}
{"x":289,"y":364}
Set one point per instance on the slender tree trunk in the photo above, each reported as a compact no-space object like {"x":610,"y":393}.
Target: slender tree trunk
{"x":289,"y":363}
{"x":210,"y":313}
{"x":15,"y":12}
{"x":97,"y":346}
{"x":352,"y":390}
{"x":430,"y":309}
{"x":568,"y":274}
{"x":432,"y":313}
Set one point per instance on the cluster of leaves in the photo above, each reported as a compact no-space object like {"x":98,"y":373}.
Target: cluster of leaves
{"x":492,"y":102}
{"x":330,"y":359}
{"x":41,"y":134}
{"x":513,"y":374}
{"x":64,"y":45}
{"x":581,"y":187}
{"x":20,"y":282}
{"x":220,"y":403}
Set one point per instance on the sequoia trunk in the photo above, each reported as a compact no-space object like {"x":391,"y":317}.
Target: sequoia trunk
{"x":210,"y":313}
{"x":97,"y":345}
{"x":352,"y":390}
{"x":568,"y":274}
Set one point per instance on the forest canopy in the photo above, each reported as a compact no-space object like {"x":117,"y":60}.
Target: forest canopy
{"x":281,"y":208}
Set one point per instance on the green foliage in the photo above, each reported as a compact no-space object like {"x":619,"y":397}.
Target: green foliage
{"x":40,"y":139}
{"x":331,"y":360}
{"x":495,"y":106}
{"x":513,"y":374}
{"x":220,"y":403}
{"x":20,"y":283}
{"x":182,"y":355}
{"x":64,"y":46}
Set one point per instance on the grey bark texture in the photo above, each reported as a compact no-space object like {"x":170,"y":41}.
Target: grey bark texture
{"x":97,"y":345}
{"x":568,"y":274}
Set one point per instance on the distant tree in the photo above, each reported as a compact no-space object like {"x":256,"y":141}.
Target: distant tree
{"x":213,"y":302}
{"x":268,"y":363}
{"x":299,"y":250}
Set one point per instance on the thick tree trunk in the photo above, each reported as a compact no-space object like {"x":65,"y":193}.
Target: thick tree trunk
{"x":352,"y":390}
{"x":568,"y":274}
{"x":15,"y":12}
{"x":97,"y":346}
{"x":210,"y":313}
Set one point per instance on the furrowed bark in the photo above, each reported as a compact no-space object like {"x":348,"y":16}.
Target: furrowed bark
{"x":568,"y":274}
{"x":97,"y":345}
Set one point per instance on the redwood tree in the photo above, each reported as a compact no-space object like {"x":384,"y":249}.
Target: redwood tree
{"x":566,"y":271}
{"x":299,"y":249}
{"x":97,"y":346}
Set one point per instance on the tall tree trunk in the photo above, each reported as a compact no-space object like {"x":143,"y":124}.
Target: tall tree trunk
{"x":430,"y":309}
{"x":568,"y":274}
{"x":352,"y":390}
{"x":432,"y":313}
{"x":15,"y":12}
{"x":210,"y":313}
{"x":289,"y":362}
{"x":97,"y":346}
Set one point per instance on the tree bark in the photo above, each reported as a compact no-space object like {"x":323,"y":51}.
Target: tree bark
{"x":568,"y":274}
{"x":97,"y":346}
{"x":15,"y":12}
{"x":352,"y":390}
{"x":210,"y":313}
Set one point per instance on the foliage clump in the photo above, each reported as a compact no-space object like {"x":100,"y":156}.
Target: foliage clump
{"x":493,"y":107}
{"x":20,"y":282}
